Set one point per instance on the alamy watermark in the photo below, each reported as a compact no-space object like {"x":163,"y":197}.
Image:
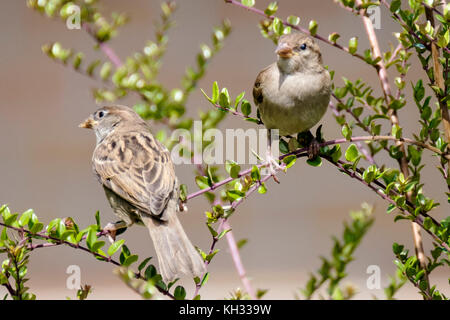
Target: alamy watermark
{"x":374,"y":13}
{"x":73,"y":281}
{"x":373,"y":282}
{"x":239,"y":145}
{"x":73,"y":21}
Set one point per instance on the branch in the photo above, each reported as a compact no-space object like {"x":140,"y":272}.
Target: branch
{"x":300,"y":151}
{"x":303,"y":30}
{"x":417,"y":220}
{"x":78,"y":246}
{"x":403,"y":162}
{"x":438,"y":77}
{"x":408,"y":29}
{"x":108,"y":51}
{"x":224,"y":225}
{"x":236,"y":113}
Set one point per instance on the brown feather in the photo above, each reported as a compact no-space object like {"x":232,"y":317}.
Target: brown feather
{"x":140,"y":184}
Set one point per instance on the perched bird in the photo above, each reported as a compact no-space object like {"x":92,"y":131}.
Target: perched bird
{"x":139,"y":180}
{"x":293,"y":93}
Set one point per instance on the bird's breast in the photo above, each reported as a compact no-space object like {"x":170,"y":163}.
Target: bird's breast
{"x":294,"y":103}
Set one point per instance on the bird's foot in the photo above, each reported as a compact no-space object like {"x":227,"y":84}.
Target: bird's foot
{"x":182,"y":207}
{"x":307,"y":139}
{"x":112,"y":229}
{"x":313,"y":149}
{"x":272,"y":167}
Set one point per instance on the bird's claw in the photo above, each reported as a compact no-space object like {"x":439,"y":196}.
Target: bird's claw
{"x":111,"y":231}
{"x":272,"y":167}
{"x":313,"y":149}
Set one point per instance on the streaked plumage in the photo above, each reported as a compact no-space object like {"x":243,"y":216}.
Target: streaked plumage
{"x":139,"y":180}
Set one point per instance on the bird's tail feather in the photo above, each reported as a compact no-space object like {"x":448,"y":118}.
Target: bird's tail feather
{"x":175,"y":252}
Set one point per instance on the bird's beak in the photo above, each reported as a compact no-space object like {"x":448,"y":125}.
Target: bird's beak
{"x":284,"y":51}
{"x":89,"y":123}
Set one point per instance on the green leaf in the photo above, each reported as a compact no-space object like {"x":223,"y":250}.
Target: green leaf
{"x":97,"y":220}
{"x":3,"y":237}
{"x":239,"y":99}
{"x":202,"y":182}
{"x":91,"y":238}
{"x":313,"y":26}
{"x":262,"y":188}
{"x":284,"y":147}
{"x":114,"y":247}
{"x":248,"y":3}
{"x":290,"y":160}
{"x":260,"y":293}
{"x":396,"y":248}
{"x":77,"y":60}
{"x":419,"y":91}
{"x":183,"y":192}
{"x":315,"y":162}
{"x":346,"y":132}
{"x":205,"y":279}
{"x":352,"y":153}
{"x":130,"y":260}
{"x":447,"y":11}
{"x":144,"y":263}
{"x":211,"y":230}
{"x":246,"y":108}
{"x":234,"y":171}
{"x":224,"y":98}
{"x":11,"y":218}
{"x":353,"y":45}
{"x":215,"y":92}
{"x":105,"y":70}
{"x":180,"y":292}
{"x":444,"y":39}
{"x":277,"y":26}
{"x":255,"y":174}
{"x":224,"y":232}
{"x":293,"y":20}
{"x":25,"y":218}
{"x":333,"y":37}
{"x":211,"y":255}
{"x":427,"y":223}
{"x":97,"y":245}
{"x":150,"y":272}
{"x":396,"y":131}
{"x":241,"y":243}
{"x":395,"y":5}
{"x":91,"y":67}
{"x":37,"y":227}
{"x":337,"y":153}
{"x":271,"y":9}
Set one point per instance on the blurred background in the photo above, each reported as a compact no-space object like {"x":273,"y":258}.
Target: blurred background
{"x":45,"y":161}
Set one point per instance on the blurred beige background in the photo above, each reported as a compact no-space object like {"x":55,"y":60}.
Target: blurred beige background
{"x":45,"y":158}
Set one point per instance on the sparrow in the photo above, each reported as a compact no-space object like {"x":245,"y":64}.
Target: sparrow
{"x":138,"y":177}
{"x":293,"y":93}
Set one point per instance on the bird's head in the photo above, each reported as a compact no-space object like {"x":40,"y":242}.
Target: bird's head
{"x":106,"y":119}
{"x":298,"y":52}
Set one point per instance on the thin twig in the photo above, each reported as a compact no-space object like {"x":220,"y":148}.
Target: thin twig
{"x":323,"y":144}
{"x":403,"y":162}
{"x":303,"y":30}
{"x":387,"y":198}
{"x":78,"y":246}
{"x":110,"y":53}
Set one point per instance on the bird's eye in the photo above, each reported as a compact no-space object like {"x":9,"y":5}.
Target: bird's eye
{"x":302,"y":46}
{"x":101,"y":114}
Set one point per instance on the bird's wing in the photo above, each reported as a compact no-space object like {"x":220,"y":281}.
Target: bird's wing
{"x":258,"y":96}
{"x":138,"y":168}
